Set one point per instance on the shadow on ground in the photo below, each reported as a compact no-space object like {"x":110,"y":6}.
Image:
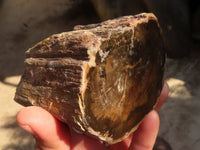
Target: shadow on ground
{"x":19,"y":139}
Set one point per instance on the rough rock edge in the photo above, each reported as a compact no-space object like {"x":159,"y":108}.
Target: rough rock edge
{"x":81,"y":120}
{"x":91,"y":62}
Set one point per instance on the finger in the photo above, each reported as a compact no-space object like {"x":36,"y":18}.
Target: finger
{"x":123,"y":145}
{"x":163,"y":96}
{"x":83,"y":142}
{"x":49,"y":132}
{"x":144,"y":137}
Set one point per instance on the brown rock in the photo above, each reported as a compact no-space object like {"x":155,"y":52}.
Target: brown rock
{"x":101,"y":79}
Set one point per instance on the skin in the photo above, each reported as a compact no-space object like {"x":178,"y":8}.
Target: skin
{"x":51,"y":134}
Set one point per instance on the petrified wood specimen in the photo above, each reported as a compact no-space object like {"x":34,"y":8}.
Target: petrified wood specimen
{"x":100,"y":79}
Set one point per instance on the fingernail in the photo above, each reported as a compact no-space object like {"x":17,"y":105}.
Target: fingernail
{"x":166,"y":85}
{"x":27,"y":128}
{"x":166,"y":88}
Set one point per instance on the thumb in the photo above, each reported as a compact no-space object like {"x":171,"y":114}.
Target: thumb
{"x":145,"y":136}
{"x":48,"y":132}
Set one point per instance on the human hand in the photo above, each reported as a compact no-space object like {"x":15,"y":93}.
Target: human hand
{"x":51,"y":134}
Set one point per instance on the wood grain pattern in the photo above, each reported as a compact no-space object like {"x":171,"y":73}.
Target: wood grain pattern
{"x":100,"y":79}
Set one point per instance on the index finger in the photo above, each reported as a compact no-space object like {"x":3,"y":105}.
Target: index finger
{"x":163,"y":96}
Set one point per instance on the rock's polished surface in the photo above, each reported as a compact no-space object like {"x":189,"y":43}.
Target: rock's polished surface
{"x":100,"y":79}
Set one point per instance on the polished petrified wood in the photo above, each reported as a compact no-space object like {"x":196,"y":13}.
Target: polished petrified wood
{"x":100,"y":79}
